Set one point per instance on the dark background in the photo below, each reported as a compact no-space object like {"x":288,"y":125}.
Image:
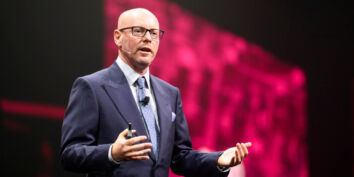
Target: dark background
{"x":45,"y":45}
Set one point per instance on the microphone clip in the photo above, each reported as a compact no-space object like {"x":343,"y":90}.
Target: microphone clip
{"x":145,"y":101}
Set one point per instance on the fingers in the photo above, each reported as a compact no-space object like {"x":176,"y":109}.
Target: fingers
{"x":138,"y":153}
{"x":233,"y":160}
{"x":124,"y":133}
{"x":248,"y":144}
{"x":244,"y":149}
{"x":131,"y":141}
{"x":241,"y":152}
{"x":240,"y":149}
{"x":135,"y":140}
{"x":234,"y":156}
{"x":138,"y":147}
{"x":144,"y":157}
{"x":237,"y":157}
{"x":130,"y":149}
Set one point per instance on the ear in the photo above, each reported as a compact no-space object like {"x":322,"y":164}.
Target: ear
{"x":116,"y":36}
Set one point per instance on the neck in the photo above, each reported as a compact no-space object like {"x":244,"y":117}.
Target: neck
{"x":139,"y":69}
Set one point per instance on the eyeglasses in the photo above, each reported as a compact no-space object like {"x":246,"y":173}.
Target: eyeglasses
{"x":140,"y":31}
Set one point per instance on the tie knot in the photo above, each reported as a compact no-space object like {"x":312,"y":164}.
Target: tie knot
{"x":141,"y":82}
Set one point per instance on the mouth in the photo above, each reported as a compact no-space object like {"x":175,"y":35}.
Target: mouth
{"x":145,"y":49}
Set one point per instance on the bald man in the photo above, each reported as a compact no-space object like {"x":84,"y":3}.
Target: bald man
{"x":95,"y":138}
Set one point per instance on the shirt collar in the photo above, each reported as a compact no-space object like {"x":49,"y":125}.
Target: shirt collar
{"x":130,"y":74}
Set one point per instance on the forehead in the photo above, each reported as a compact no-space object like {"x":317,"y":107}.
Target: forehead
{"x":138,"y":18}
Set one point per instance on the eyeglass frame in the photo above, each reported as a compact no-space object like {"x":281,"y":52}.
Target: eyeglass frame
{"x":146,"y":30}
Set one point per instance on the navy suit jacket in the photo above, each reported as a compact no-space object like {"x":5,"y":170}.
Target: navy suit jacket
{"x":101,"y":105}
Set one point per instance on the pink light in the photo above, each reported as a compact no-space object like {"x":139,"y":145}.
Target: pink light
{"x":298,"y":77}
{"x":33,"y":109}
{"x":14,"y":125}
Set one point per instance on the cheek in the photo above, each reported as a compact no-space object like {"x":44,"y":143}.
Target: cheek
{"x":133,"y":45}
{"x":129,"y":44}
{"x":156,"y":47}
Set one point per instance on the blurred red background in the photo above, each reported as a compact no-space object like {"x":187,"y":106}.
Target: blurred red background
{"x":276,"y":73}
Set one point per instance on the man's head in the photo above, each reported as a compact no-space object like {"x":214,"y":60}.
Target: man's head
{"x":136,"y":50}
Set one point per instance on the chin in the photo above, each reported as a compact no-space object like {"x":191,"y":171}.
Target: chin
{"x":143,"y":64}
{"x":145,"y":61}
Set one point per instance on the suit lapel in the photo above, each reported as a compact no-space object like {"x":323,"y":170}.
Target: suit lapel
{"x":163,"y":110}
{"x":119,"y":91}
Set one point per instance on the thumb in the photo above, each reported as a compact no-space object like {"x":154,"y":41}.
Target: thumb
{"x":123,"y":134}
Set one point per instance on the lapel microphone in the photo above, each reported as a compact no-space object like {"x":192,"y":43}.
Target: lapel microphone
{"x":145,"y":101}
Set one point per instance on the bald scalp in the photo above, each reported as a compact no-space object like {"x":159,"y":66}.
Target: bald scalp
{"x":127,"y":17}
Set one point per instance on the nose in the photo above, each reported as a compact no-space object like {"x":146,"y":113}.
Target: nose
{"x":148,"y":36}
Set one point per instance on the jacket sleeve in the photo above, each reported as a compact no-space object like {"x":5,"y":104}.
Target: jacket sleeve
{"x":185,"y":160}
{"x":79,"y":149}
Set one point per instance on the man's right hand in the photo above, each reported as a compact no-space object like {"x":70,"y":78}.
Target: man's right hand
{"x":124,"y":149}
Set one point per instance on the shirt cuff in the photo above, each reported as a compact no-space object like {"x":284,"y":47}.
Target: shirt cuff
{"x":223,"y":169}
{"x":110,"y":156}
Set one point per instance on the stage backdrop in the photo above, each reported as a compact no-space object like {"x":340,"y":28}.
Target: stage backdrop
{"x":232,"y":90}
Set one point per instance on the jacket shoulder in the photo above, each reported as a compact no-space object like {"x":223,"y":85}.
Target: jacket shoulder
{"x":164,"y":84}
{"x":96,"y":78}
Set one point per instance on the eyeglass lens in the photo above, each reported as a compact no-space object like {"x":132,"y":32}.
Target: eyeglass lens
{"x":141,"y":31}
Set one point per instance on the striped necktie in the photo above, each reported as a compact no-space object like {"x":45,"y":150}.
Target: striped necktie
{"x":148,"y":114}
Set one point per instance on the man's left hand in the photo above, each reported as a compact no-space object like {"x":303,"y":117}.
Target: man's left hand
{"x":234,"y":156}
